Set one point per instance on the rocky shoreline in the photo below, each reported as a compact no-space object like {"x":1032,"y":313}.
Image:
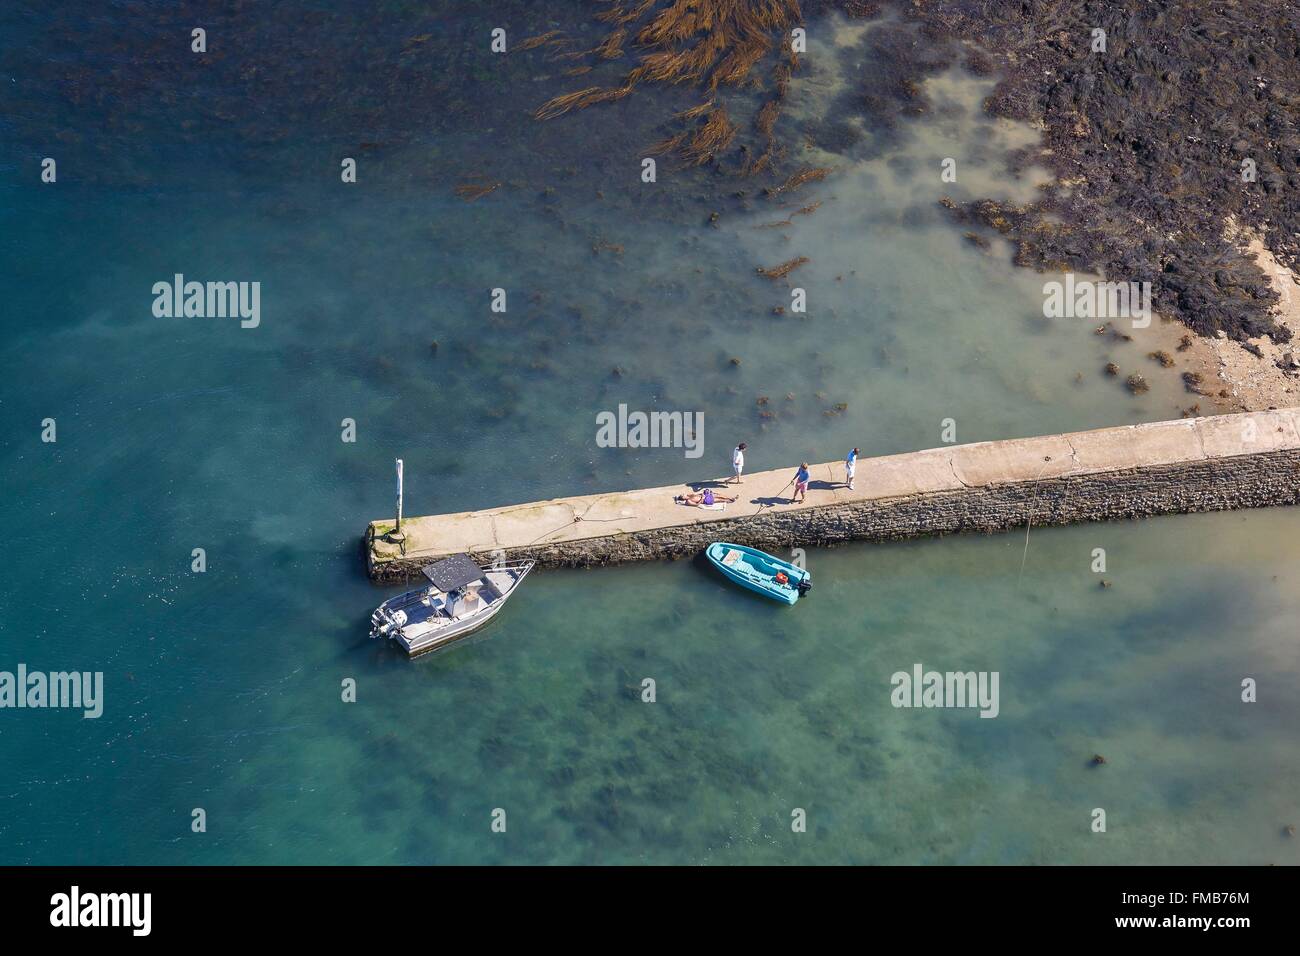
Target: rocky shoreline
{"x":1258,"y":373}
{"x":1163,"y":123}
{"x":1175,"y":154}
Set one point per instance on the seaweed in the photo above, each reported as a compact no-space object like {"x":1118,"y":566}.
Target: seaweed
{"x":784,"y":269}
{"x":470,"y":191}
{"x":1164,"y":358}
{"x":713,"y":136}
{"x":560,"y":105}
{"x":807,"y":210}
{"x":809,"y":174}
{"x":706,"y":43}
{"x":534,"y":42}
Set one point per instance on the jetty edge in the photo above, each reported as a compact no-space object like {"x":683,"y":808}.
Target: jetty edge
{"x":1220,"y":462}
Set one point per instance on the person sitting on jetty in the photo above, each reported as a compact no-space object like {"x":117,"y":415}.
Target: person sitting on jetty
{"x":705,"y":498}
{"x":800,"y":483}
{"x":850,"y":467}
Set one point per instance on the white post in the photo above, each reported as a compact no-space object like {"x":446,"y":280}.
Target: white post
{"x":399,"y":496}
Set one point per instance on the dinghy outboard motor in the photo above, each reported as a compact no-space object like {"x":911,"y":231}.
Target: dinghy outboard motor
{"x":805,"y":586}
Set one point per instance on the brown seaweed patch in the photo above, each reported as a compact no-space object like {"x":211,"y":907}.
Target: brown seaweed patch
{"x":621,"y":13}
{"x":1137,"y":384}
{"x":476,"y":190}
{"x":765,"y":121}
{"x":713,"y":136}
{"x":413,"y":42}
{"x":784,"y":269}
{"x":809,"y":174}
{"x":695,"y":112}
{"x":611,"y":48}
{"x":1164,"y":358}
{"x":669,"y":145}
{"x":533,"y":42}
{"x":559,"y":105}
{"x":802,"y":211}
{"x":753,"y":167}
{"x":709,"y":43}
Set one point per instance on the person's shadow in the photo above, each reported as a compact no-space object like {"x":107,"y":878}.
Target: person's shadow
{"x":701,"y":485}
{"x":788,"y":499}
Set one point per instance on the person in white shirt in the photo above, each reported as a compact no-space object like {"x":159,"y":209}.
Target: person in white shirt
{"x":738,"y":462}
{"x":850,"y":467}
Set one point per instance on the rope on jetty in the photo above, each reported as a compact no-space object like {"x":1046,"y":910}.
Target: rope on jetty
{"x":576,"y":519}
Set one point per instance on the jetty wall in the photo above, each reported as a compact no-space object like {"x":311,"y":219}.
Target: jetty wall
{"x":1242,"y":460}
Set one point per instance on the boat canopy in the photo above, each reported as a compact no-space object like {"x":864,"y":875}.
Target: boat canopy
{"x":454,"y":572}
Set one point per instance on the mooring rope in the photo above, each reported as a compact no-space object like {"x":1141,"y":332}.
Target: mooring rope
{"x":1029,"y":522}
{"x":576,"y":519}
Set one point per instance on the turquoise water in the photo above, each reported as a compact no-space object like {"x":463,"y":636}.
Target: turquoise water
{"x":223,"y":688}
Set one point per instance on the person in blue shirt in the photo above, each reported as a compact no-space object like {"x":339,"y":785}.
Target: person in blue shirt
{"x":800,"y":483}
{"x":850,"y":466}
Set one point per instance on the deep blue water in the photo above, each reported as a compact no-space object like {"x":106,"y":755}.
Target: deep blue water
{"x":223,"y":688}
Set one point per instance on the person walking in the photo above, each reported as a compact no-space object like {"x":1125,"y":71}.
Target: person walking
{"x":850,"y":467}
{"x":800,"y":483}
{"x":737,"y":463}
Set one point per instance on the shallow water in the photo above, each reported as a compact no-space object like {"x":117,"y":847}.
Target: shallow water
{"x":223,"y":688}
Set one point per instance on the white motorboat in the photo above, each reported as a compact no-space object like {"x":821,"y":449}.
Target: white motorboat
{"x":461,"y":597}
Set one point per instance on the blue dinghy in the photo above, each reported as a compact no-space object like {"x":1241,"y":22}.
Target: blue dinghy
{"x":758,"y":571}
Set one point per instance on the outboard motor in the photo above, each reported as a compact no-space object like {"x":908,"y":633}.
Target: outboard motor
{"x":805,"y":586}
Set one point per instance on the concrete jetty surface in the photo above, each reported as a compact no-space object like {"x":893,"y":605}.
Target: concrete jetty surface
{"x":1250,"y":459}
